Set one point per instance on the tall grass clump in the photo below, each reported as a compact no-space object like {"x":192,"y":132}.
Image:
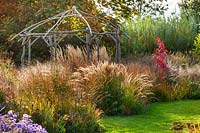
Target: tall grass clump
{"x":138,"y":93}
{"x":45,"y":91}
{"x":76,"y":57}
{"x":109,"y":87}
{"x":177,"y":33}
{"x":7,"y":79}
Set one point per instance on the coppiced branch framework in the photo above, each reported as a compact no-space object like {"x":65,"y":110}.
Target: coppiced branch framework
{"x":52,"y":37}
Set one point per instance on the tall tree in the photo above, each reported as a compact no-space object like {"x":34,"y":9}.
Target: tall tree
{"x":127,"y":8}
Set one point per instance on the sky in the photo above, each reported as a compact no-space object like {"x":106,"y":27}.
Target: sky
{"x":173,"y":6}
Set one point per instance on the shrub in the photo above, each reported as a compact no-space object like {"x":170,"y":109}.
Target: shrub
{"x":194,"y":90}
{"x":196,"y":48}
{"x":160,"y":59}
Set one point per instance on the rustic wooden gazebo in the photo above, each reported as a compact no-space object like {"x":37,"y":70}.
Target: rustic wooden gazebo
{"x":52,"y":37}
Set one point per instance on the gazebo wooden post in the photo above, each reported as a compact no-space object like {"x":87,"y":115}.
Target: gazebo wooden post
{"x":118,"y":46}
{"x":98,"y":51}
{"x":23,"y":50}
{"x":88,"y":44}
{"x":23,"y":55}
{"x":29,"y":51}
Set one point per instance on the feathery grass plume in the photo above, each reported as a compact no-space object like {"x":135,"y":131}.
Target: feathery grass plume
{"x":88,"y":78}
{"x":77,"y":57}
{"x":7,"y":78}
{"x":142,"y":85}
{"x":70,"y":56}
{"x":189,"y":72}
{"x":43,"y":82}
{"x":109,"y":86}
{"x":100,"y":82}
{"x":178,"y":59}
{"x":138,"y":93}
{"x":45,"y":91}
{"x":140,"y":68}
{"x":103,"y":54}
{"x":59,"y":54}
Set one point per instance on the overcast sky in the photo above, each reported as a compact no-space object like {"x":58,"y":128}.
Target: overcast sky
{"x":173,"y":6}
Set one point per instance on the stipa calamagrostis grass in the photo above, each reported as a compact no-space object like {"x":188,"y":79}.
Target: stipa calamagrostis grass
{"x":77,"y":57}
{"x":140,"y":86}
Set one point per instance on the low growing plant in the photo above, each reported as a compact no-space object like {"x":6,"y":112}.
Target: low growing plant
{"x":10,"y":123}
{"x":196,"y":48}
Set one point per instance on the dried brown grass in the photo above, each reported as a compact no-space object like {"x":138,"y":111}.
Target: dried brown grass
{"x":43,"y":82}
{"x":90,"y":79}
{"x":77,"y":57}
{"x":140,"y":68}
{"x":189,"y":72}
{"x":7,"y":78}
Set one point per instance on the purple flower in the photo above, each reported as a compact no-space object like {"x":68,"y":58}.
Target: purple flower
{"x":8,"y":123}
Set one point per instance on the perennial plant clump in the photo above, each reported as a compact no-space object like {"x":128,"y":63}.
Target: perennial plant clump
{"x":159,"y":58}
{"x":10,"y":123}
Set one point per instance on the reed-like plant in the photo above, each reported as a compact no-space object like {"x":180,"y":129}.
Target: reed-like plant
{"x":177,"y":33}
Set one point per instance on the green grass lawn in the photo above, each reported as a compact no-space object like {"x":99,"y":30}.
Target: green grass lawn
{"x":158,"y":119}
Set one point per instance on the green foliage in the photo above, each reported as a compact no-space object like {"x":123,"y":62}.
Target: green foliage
{"x":137,"y":95}
{"x":177,"y":34}
{"x":196,"y":48}
{"x":112,"y":94}
{"x":172,"y":87}
{"x":194,"y":90}
{"x":2,"y":98}
{"x":46,"y":92}
{"x":84,"y":119}
{"x":191,"y":8}
{"x":45,"y":115}
{"x":127,"y":8}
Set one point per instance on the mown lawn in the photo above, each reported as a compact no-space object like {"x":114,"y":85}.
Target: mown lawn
{"x":158,"y":119}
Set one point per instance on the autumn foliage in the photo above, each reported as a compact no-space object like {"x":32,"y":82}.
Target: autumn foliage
{"x":159,"y":58}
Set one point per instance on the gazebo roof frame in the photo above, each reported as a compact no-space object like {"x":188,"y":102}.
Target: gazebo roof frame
{"x":52,"y":37}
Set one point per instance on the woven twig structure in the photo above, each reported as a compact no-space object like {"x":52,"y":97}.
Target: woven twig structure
{"x":52,"y":37}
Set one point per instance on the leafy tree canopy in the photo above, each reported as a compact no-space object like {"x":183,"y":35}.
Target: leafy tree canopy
{"x":127,"y":8}
{"x":191,"y":7}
